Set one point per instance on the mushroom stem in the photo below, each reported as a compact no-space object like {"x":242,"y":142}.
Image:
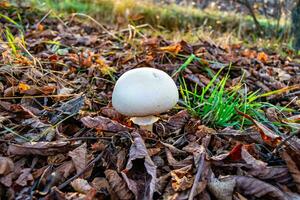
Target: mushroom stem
{"x":147,"y":127}
{"x":146,"y":122}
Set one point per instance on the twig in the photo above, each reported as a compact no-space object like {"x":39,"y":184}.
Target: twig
{"x":285,"y":140}
{"x":15,"y":133}
{"x":88,"y":138}
{"x":45,"y":16}
{"x":67,"y":182}
{"x":39,"y":96}
{"x":197,"y":177}
{"x":96,"y":22}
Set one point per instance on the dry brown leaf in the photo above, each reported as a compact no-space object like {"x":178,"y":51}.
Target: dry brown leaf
{"x":103,"y":124}
{"x":140,"y":171}
{"x":182,"y":179}
{"x":6,"y":165}
{"x":178,"y":164}
{"x":81,"y":185}
{"x":222,"y":190}
{"x":40,"y":148}
{"x":100,"y":183}
{"x":80,"y":159}
{"x":293,"y":169}
{"x":267,"y":134}
{"x":249,"y":186}
{"x":162,"y":182}
{"x":121,"y":160}
{"x":249,"y":159}
{"x":175,"y":48}
{"x":65,"y":169}
{"x":25,"y":177}
{"x":111,"y":113}
{"x":174,"y":124}
{"x":118,"y":185}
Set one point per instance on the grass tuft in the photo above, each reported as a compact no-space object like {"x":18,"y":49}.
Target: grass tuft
{"x":216,"y":105}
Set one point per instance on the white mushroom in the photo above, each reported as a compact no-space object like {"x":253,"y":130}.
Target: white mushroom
{"x":142,"y":93}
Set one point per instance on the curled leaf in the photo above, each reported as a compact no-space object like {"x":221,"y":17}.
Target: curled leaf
{"x":103,"y":124}
{"x":293,"y":169}
{"x":118,"y":185}
{"x":40,"y":148}
{"x":140,"y":172}
{"x":81,"y":186}
{"x":182,"y":179}
{"x":267,"y":134}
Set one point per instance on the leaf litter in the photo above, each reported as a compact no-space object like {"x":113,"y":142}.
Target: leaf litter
{"x":61,"y":139}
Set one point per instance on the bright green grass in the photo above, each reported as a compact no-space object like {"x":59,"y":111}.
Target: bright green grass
{"x":216,"y":106}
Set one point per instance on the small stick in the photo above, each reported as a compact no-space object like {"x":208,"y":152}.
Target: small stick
{"x":198,"y":174}
{"x":39,"y":96}
{"x":88,"y":138}
{"x":285,"y":140}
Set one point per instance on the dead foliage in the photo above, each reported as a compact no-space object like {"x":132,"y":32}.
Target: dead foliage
{"x":61,"y":139}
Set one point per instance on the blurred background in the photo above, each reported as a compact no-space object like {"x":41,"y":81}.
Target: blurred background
{"x":271,"y":24}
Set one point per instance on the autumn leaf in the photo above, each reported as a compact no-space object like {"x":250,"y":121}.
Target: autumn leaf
{"x":267,"y":134}
{"x":104,"y":68}
{"x":263,"y":57}
{"x":182,"y":179}
{"x":175,"y":48}
{"x":235,"y":153}
{"x":293,"y":169}
{"x":81,"y":159}
{"x":81,"y":185}
{"x":6,"y":165}
{"x":103,"y":124}
{"x":40,"y":148}
{"x":23,"y":87}
{"x":139,"y":162}
{"x":118,"y":185}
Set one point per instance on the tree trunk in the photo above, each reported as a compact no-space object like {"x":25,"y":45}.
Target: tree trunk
{"x":296,"y":25}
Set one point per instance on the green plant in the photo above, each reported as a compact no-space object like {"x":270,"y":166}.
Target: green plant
{"x":11,"y":40}
{"x":216,"y":105}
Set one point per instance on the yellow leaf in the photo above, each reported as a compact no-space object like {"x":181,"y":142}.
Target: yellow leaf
{"x":104,"y":68}
{"x":262,"y":57}
{"x":175,"y":48}
{"x":23,"y":87}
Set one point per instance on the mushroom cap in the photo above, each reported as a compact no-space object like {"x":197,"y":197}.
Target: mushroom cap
{"x":144,"y":91}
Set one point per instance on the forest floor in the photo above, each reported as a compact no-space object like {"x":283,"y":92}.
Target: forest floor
{"x":233,"y":135}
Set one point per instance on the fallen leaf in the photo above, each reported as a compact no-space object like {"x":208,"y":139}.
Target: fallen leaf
{"x":111,"y":113}
{"x":267,"y":134}
{"x":6,"y":165}
{"x":293,"y":169}
{"x":103,"y":124}
{"x":263,"y":57}
{"x":23,"y":87}
{"x":175,"y":48}
{"x":118,"y":185}
{"x":81,"y":159}
{"x":25,"y":177}
{"x":40,"y":148}
{"x":174,"y":124}
{"x":235,"y":153}
{"x":104,"y":68}
{"x":182,"y":179}
{"x":81,"y":185}
{"x":249,"y":186}
{"x":222,"y":190}
{"x":65,"y":109}
{"x":249,"y":159}
{"x":140,"y":172}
